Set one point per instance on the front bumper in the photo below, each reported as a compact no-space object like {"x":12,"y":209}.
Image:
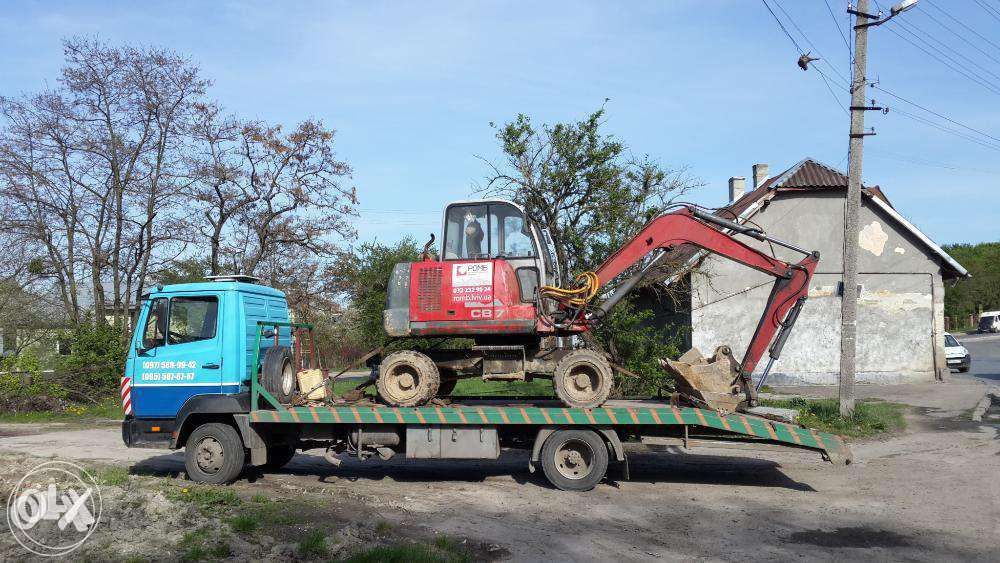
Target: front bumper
{"x":960,"y":363}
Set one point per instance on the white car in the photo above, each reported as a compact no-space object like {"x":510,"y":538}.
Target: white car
{"x":956,"y":354}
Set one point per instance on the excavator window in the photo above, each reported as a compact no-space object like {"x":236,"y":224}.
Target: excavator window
{"x":495,"y":230}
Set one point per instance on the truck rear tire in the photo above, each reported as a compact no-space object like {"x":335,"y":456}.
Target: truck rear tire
{"x":583,"y":379}
{"x":277,"y":374}
{"x":407,"y":379}
{"x":214,"y":454}
{"x":574,"y":460}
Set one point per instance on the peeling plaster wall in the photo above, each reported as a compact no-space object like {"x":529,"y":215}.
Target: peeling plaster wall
{"x":900,"y":316}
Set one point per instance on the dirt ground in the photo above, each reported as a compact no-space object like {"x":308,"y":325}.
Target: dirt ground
{"x":929,"y":494}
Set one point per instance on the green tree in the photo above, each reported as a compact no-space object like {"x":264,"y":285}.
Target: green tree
{"x":581,"y":184}
{"x":362,"y":275}
{"x":981,"y":292}
{"x":96,"y":360}
{"x":585,"y":187}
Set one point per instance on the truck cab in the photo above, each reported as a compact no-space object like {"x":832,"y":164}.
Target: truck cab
{"x":192,"y":350}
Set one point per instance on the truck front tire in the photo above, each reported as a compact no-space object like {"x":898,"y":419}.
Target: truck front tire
{"x":214,"y":454}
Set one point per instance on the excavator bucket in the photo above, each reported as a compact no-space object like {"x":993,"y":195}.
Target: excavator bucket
{"x":713,"y":382}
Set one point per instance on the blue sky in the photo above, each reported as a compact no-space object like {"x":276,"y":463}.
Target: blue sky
{"x":412,"y":86}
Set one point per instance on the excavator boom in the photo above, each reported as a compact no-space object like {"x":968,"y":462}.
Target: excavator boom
{"x":690,"y":226}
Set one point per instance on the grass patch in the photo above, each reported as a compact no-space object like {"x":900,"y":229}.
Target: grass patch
{"x":406,"y":553}
{"x":114,"y":477}
{"x":870,"y":418}
{"x":110,"y":408}
{"x":313,"y":544}
{"x":244,"y":523}
{"x":383,"y":527}
{"x":204,"y":496}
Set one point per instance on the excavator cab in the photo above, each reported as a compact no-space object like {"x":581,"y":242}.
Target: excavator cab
{"x":494,"y":259}
{"x":499,"y":230}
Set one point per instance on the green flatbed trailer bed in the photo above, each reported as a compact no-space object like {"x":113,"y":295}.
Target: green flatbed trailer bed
{"x":531,"y":425}
{"x":574,"y":446}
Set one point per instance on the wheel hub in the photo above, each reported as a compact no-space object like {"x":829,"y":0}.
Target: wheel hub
{"x":405,"y":381}
{"x":209,"y":455}
{"x":287,"y":380}
{"x":574,"y":460}
{"x":582,"y":382}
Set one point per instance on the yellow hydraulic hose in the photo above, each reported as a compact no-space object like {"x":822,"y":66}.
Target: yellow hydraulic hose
{"x":578,"y":296}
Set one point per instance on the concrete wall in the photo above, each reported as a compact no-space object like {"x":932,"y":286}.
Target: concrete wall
{"x":901,"y":310}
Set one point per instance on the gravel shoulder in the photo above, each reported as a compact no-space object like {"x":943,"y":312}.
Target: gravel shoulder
{"x":928,"y":494}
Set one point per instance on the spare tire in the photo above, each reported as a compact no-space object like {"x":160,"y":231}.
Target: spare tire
{"x":277,"y":374}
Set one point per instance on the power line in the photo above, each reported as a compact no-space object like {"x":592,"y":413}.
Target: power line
{"x":837,"y":25}
{"x":948,"y":130}
{"x":930,"y":111}
{"x":989,"y":10}
{"x":809,"y":41}
{"x":878,"y":153}
{"x":960,"y":36}
{"x":992,"y":89}
{"x":907,"y":27}
{"x":801,"y":52}
{"x":782,"y":26}
{"x":959,"y":22}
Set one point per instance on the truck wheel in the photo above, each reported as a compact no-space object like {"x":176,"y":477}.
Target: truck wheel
{"x":214,"y":454}
{"x":277,"y":374}
{"x":574,"y":460}
{"x":583,"y":379}
{"x":278,"y":457}
{"x":407,"y":379}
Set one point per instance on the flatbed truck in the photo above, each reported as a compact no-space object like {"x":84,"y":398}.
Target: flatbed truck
{"x":193,"y":375}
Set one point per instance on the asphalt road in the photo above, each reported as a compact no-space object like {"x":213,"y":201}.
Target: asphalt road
{"x":985,"y":352}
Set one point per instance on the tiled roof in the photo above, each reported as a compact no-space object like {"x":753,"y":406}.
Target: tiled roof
{"x":807,"y":175}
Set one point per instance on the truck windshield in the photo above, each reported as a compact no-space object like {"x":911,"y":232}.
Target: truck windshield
{"x":987,"y":323}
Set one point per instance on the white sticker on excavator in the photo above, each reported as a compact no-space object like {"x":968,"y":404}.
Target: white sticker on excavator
{"x":470,"y":274}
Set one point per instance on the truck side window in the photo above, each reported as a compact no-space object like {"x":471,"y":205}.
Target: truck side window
{"x":152,"y":333}
{"x":192,"y":319}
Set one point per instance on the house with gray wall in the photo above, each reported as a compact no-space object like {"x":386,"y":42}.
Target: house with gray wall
{"x":903,"y":276}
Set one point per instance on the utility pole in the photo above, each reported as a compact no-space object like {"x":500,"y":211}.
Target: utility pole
{"x":852,"y":210}
{"x":849,"y":300}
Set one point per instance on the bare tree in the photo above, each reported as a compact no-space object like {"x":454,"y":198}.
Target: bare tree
{"x":89,"y":165}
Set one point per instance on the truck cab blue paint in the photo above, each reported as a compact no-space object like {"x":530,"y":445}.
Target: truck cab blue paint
{"x":215,"y":360}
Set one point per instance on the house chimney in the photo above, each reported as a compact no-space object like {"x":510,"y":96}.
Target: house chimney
{"x":737,"y":185}
{"x":760,"y":175}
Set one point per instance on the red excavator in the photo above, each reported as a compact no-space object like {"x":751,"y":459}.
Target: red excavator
{"x":497,"y":283}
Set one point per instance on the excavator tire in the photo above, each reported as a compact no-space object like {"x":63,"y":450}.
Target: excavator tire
{"x":583,"y":379}
{"x":407,"y":379}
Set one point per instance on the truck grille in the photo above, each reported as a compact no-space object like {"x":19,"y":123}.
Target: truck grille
{"x":429,"y":289}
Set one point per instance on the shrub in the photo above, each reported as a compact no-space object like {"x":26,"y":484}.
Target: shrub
{"x":96,"y":360}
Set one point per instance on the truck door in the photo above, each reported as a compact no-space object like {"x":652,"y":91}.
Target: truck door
{"x":179,"y":354}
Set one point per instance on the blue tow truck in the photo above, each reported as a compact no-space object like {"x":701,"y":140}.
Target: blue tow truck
{"x":212,"y":369}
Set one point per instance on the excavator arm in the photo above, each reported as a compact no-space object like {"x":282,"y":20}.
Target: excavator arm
{"x":694,"y":227}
